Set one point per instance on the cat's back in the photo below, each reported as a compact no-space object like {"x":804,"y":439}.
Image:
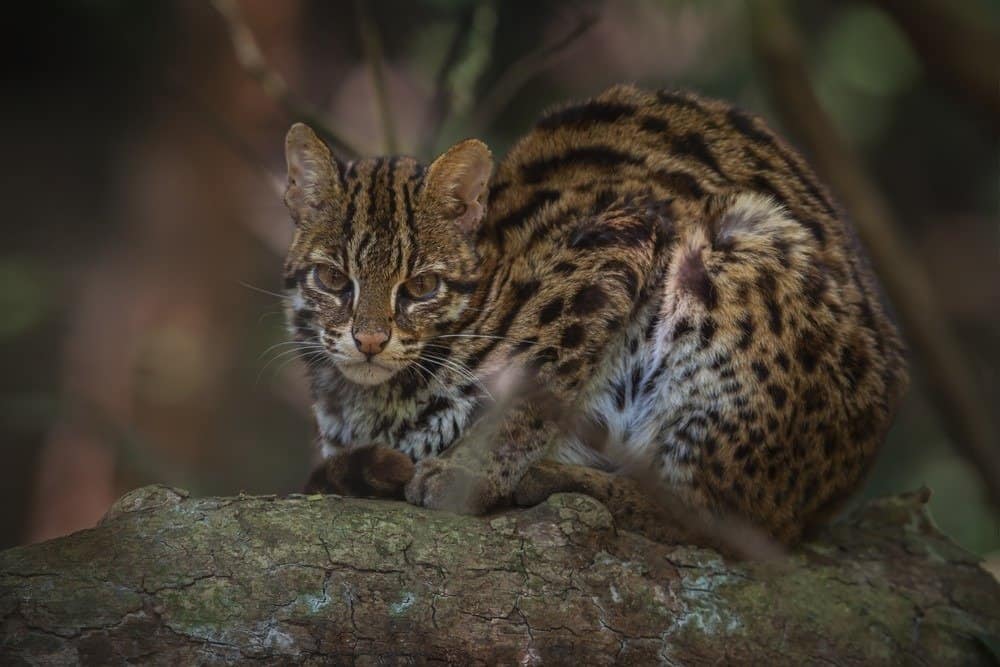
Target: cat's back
{"x":677,"y":145}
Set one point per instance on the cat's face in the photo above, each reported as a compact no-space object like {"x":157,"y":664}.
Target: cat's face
{"x":383,"y":263}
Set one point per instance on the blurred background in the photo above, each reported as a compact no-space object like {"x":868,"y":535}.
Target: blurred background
{"x":145,"y":234}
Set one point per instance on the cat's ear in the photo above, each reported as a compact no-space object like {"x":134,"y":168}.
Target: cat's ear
{"x":458,"y":179}
{"x":313,"y":173}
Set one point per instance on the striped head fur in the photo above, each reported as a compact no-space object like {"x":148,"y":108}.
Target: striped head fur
{"x":383,"y":259}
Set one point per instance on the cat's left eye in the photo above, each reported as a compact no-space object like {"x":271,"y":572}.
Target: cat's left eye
{"x":421,"y":287}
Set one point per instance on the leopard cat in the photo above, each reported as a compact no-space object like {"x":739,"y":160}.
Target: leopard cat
{"x":664,"y":266}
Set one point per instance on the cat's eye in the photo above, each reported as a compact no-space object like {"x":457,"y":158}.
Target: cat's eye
{"x":330,"y":279}
{"x":421,"y":287}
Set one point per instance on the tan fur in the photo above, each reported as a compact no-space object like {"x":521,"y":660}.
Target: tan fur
{"x":663,"y":265}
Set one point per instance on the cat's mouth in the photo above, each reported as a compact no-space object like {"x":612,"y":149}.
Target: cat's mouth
{"x":369,"y":372}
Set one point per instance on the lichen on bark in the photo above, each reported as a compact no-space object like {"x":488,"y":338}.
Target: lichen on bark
{"x":168,"y":579}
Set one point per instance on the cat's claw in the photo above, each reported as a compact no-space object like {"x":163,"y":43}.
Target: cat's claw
{"x":442,"y":484}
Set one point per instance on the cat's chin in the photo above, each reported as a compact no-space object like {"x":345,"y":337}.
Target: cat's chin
{"x":365,"y":373}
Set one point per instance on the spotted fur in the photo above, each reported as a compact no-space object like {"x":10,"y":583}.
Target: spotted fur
{"x":663,"y":264}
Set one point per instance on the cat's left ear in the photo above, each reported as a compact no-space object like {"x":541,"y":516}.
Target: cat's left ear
{"x":458,"y":180}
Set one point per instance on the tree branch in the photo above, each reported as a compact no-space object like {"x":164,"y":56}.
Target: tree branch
{"x":166,"y":579}
{"x":442,"y":98}
{"x":522,"y":71}
{"x":251,"y":59}
{"x":224,"y":132}
{"x":950,"y":378}
{"x":372,"y":45}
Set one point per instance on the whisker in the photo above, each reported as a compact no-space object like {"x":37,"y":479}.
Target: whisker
{"x":490,"y":337}
{"x":261,"y":290}
{"x":462,"y":370}
{"x":286,"y":342}
{"x":295,"y":350}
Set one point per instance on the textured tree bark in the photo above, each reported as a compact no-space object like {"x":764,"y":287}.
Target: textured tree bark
{"x":167,"y":579}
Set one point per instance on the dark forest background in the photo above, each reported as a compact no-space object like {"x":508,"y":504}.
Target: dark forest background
{"x":143,"y":230}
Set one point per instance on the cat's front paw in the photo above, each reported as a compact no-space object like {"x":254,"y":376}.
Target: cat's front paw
{"x":445,"y":485}
{"x":370,"y":472}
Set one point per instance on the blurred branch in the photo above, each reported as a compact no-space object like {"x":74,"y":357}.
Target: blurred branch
{"x":522,"y":71}
{"x":372,"y":45}
{"x":249,"y":56}
{"x":442,"y":98}
{"x":223,"y":132}
{"x":950,"y":378}
{"x":956,"y":48}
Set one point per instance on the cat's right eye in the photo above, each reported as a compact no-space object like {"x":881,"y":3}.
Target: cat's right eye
{"x":330,"y":279}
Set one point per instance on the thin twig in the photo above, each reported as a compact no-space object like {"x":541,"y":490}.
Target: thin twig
{"x":949,"y":375}
{"x":372,"y":45}
{"x":522,"y":71}
{"x":250,"y":57}
{"x":442,"y":98}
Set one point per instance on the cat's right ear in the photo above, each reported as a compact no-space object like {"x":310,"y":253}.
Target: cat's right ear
{"x":313,"y":173}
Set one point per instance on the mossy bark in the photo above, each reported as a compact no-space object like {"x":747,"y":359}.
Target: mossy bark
{"x":167,"y":579}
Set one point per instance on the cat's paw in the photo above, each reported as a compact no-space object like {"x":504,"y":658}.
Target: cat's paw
{"x":374,"y":472}
{"x":445,"y":485}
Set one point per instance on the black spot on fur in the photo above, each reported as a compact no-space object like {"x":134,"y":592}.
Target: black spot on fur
{"x":550,"y":311}
{"x":602,"y":235}
{"x":680,"y":183}
{"x":564,"y":268}
{"x":603,"y":157}
{"x":746,"y":326}
{"x":461,"y":286}
{"x":782,"y":360}
{"x":523,"y":215}
{"x":778,"y":395}
{"x":854,"y":363}
{"x":682,"y":328}
{"x":589,"y":299}
{"x":807,"y":351}
{"x":761,"y":371}
{"x":654,"y":125}
{"x":584,"y":115}
{"x":813,"y":399}
{"x":707,"y":331}
{"x":679,"y":99}
{"x":765,"y":186}
{"x":773,"y":315}
{"x":497,"y":189}
{"x":572,"y":336}
{"x":745,"y":124}
{"x":435,"y":405}
{"x":815,"y":286}
{"x":620,"y":395}
{"x":654,"y":322}
{"x":693,"y":145}
{"x":816,"y":228}
{"x":525,"y":290}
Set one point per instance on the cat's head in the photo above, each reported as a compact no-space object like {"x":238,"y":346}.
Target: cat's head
{"x":383,"y":261}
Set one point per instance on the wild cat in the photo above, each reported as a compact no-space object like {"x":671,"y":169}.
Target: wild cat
{"x":663,"y":265}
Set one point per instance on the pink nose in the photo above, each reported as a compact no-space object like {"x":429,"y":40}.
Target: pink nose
{"x":371,"y":342}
